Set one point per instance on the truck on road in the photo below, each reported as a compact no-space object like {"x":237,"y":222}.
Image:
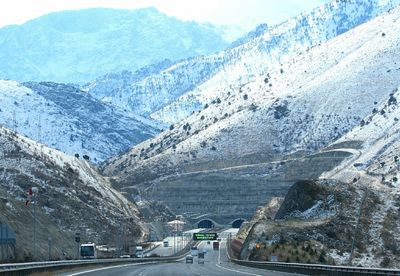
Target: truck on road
{"x":193,"y":251}
{"x":139,"y":252}
{"x":88,"y":251}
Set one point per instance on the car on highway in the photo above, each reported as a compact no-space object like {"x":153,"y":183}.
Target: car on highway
{"x":215,"y":245}
{"x":189,"y":259}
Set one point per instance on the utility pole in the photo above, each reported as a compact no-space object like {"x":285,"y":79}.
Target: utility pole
{"x":357,"y":226}
{"x":40,"y":129}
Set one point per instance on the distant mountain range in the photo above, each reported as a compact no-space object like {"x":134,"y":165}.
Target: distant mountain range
{"x":174,"y":93}
{"x":78,"y":46}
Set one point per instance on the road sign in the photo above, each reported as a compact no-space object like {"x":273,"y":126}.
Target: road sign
{"x":205,"y":236}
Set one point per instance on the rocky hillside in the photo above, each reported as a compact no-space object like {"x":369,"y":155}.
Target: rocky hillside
{"x":187,"y":86}
{"x":320,"y":222}
{"x":72,"y":197}
{"x":357,"y":207}
{"x":78,"y":46}
{"x":68,"y":119}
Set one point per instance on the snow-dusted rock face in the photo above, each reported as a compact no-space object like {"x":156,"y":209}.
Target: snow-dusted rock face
{"x":78,"y":46}
{"x":374,"y":166}
{"x":176,"y":92}
{"x":68,"y":119}
{"x":72,"y":197}
{"x":375,"y":145}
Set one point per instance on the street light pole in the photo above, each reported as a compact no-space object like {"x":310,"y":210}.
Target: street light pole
{"x":34,"y":227}
{"x":34,"y":198}
{"x":175,"y":236}
{"x":49,"y":248}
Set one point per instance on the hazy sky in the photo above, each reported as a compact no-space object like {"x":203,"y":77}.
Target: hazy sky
{"x":243,"y":13}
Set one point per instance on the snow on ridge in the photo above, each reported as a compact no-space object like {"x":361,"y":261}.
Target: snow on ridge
{"x":65,"y":118}
{"x":302,"y":106}
{"x":86,"y":172}
{"x":269,"y":51}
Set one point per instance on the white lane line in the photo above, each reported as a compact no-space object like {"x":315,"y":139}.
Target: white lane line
{"x":237,"y":271}
{"x":219,"y":253}
{"x":108,"y":267}
{"x":233,"y":270}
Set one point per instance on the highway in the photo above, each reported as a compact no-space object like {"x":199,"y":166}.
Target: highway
{"x":216,"y":263}
{"x":174,"y":244}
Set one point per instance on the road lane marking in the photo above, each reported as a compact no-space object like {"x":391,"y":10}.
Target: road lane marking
{"x":237,"y":271}
{"x":233,"y":270}
{"x":108,"y":267}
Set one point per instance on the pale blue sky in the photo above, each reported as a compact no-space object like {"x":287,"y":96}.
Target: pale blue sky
{"x":245,"y":14}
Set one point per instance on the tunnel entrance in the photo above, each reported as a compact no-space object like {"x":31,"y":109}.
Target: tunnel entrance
{"x":205,"y":223}
{"x":237,"y":223}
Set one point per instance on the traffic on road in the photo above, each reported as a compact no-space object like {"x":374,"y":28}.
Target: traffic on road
{"x":206,"y":259}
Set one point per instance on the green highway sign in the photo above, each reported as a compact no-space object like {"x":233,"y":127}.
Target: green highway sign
{"x":205,"y":236}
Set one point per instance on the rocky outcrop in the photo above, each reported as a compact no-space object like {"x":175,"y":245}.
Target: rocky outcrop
{"x":339,"y":226}
{"x":301,"y":197}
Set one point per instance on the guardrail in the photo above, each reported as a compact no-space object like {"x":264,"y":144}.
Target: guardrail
{"x":36,"y":267}
{"x":313,"y":269}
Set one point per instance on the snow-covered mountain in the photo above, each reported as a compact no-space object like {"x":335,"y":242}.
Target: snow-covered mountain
{"x":68,"y":119}
{"x":78,"y":46}
{"x":301,"y":106}
{"x":303,"y":116}
{"x":177,"y":91}
{"x":71,"y":197}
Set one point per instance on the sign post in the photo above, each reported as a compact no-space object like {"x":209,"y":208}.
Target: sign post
{"x":77,"y":240}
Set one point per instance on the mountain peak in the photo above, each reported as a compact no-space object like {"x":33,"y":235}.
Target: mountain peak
{"x":81,"y":45}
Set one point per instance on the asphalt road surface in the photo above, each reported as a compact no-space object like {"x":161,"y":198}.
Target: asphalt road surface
{"x":216,"y":263}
